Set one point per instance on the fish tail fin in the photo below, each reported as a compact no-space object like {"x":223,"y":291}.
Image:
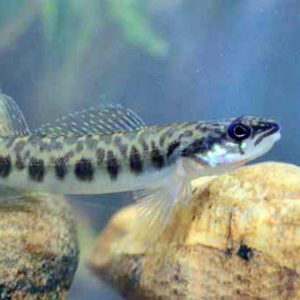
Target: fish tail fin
{"x":12,"y":121}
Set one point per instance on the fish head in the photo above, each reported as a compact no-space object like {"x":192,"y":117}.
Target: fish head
{"x":231,"y":142}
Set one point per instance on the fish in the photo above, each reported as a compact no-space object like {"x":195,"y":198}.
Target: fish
{"x":110,"y":149}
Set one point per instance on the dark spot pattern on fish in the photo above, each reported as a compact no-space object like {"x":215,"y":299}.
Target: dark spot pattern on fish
{"x":157,"y":159}
{"x":163,"y":138}
{"x":200,"y":146}
{"x":112,"y":165}
{"x":26,"y":155}
{"x":36,"y":169}
{"x":61,"y":169}
{"x":144,"y":144}
{"x":44,"y":146}
{"x":202,"y":128}
{"x":187,"y":133}
{"x":220,"y":132}
{"x":5,"y":166}
{"x":84,"y":170}
{"x":69,"y":155}
{"x":20,"y":164}
{"x":135,"y":161}
{"x":100,"y":154}
{"x":167,"y":134}
{"x":172,"y":147}
{"x":19,"y":146}
{"x":123,"y":147}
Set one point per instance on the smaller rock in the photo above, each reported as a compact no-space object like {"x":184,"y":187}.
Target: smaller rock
{"x":38,"y":248}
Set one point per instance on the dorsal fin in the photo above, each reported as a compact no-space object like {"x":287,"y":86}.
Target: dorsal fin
{"x":104,"y":120}
{"x":12,"y":121}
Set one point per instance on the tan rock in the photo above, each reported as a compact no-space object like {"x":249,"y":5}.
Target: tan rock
{"x":38,"y":248}
{"x":238,"y":239}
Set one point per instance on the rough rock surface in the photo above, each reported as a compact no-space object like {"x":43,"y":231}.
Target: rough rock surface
{"x":238,"y":239}
{"x":38,"y":248}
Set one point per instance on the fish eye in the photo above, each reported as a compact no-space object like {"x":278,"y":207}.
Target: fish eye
{"x":239,"y":131}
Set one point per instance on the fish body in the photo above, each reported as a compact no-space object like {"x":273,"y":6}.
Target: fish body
{"x":104,"y":163}
{"x":110,"y":150}
{"x":89,"y":164}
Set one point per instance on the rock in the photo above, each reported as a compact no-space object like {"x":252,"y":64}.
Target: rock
{"x":238,"y":239}
{"x":38,"y":248}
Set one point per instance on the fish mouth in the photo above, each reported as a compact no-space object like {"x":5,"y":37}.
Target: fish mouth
{"x":275,"y":128}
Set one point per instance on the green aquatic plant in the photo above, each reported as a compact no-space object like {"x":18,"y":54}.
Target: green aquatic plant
{"x":66,"y":23}
{"x":15,"y":16}
{"x":134,"y":23}
{"x":70,"y":30}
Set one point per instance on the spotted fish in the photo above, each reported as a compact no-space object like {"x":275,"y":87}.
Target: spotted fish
{"x":108,"y":150}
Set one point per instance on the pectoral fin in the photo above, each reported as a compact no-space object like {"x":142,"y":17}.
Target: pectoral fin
{"x":156,"y":206}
